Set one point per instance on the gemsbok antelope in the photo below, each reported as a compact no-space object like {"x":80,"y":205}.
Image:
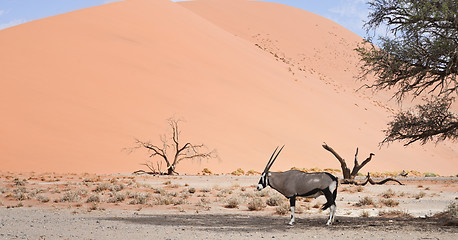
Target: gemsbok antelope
{"x":295,"y":183}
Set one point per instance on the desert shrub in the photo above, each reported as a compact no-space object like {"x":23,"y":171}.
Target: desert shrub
{"x":159,"y":191}
{"x":205,"y":189}
{"x":102,"y":187}
{"x":256,"y":204}
{"x":252,"y":172}
{"x":282,"y":208}
{"x":206,"y":171}
{"x":263,"y":193}
{"x":420,"y":195}
{"x":139,"y":198}
{"x":71,"y":196}
{"x":20,"y":196}
{"x":395,"y":213}
{"x":18,"y":182}
{"x":224,"y":192}
{"x":117,"y":197}
{"x":389,"y":202}
{"x":275,"y":200}
{"x":116,"y":187}
{"x":238,"y":172}
{"x":93,"y":199}
{"x":388,"y":193}
{"x":192,"y":190}
{"x":452,"y":209}
{"x":365,"y":201}
{"x":232,"y":202}
{"x":163,"y":199}
{"x":431,"y":174}
{"x":364,"y":214}
{"x":42,"y":198}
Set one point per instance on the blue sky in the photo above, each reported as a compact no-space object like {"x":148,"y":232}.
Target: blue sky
{"x":348,"y":13}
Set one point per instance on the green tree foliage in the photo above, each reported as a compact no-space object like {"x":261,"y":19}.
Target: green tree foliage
{"x":418,"y":57}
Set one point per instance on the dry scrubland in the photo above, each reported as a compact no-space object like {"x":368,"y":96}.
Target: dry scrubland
{"x":52,"y":206}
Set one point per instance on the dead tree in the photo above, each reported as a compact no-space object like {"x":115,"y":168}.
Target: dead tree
{"x":349,"y":176}
{"x":179,"y":153}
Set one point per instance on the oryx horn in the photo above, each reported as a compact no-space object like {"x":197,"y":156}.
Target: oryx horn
{"x":272,"y":158}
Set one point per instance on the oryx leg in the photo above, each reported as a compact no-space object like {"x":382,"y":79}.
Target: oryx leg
{"x":331,"y":202}
{"x":292,"y":204}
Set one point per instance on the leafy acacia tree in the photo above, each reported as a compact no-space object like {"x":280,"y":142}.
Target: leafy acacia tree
{"x":418,"y":57}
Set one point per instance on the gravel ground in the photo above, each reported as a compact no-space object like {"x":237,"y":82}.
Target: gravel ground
{"x":32,"y":223}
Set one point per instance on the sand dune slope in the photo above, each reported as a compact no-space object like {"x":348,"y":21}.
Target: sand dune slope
{"x":246,"y":76}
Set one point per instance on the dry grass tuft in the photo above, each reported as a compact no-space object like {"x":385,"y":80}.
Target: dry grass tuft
{"x":365,"y":201}
{"x":238,"y":172}
{"x":232,"y":202}
{"x":275,"y":200}
{"x":389,"y":202}
{"x":395,"y":213}
{"x":388,"y":193}
{"x":256,"y":204}
{"x":282,"y":208}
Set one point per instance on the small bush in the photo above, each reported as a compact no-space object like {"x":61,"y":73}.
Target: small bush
{"x":162,"y":200}
{"x":420,"y":195}
{"x":282,"y":208}
{"x":238,"y":172}
{"x":395,"y":213}
{"x":117,"y":197}
{"x":388,"y":193}
{"x":232,"y":202}
{"x":365,"y":202}
{"x":71,"y":196}
{"x":192,"y":190}
{"x":364,"y":214}
{"x":431,"y":175}
{"x":206,"y":171}
{"x":275,"y":200}
{"x":452,"y":209}
{"x":256,"y":204}
{"x":205,"y":189}
{"x":139,"y":198}
{"x":93,"y":199}
{"x":389,"y":202}
{"x":43,"y":198}
{"x":102,"y":187}
{"x":116,"y":187}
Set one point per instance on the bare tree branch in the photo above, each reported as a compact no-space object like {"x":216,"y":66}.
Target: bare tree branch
{"x":180,"y":153}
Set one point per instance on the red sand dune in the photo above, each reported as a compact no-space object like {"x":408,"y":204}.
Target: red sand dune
{"x":246,"y":76}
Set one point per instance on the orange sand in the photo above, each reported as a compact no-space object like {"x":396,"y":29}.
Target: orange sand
{"x":246,"y":76}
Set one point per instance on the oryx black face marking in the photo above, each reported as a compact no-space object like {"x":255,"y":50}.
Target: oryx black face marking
{"x":294,"y":183}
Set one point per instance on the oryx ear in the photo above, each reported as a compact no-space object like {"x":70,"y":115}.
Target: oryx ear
{"x":273,"y":160}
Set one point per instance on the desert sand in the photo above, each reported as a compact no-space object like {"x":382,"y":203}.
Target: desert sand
{"x":246,"y":76}
{"x":123,"y":206}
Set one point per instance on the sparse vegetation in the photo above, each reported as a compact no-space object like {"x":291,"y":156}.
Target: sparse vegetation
{"x":275,"y":200}
{"x":232,"y":202}
{"x":388,"y":193}
{"x":365,"y":201}
{"x":389,"y":202}
{"x":395,"y":213}
{"x":282,"y":208}
{"x":420,"y":195}
{"x":256,"y":204}
{"x":238,"y":172}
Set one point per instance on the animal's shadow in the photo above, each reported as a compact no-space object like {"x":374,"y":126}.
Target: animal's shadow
{"x":240,"y":222}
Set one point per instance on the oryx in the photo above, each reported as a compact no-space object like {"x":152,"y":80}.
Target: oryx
{"x":295,"y":183}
